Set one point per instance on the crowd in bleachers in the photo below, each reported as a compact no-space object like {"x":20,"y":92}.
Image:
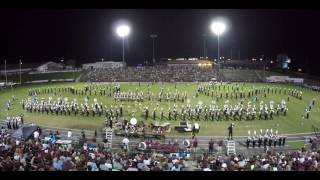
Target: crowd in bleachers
{"x":239,"y":75}
{"x":162,"y":73}
{"x":301,"y":160}
{"x":34,"y":155}
{"x":159,"y":147}
{"x":159,"y":73}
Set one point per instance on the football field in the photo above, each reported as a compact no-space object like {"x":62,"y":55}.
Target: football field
{"x":290,"y":124}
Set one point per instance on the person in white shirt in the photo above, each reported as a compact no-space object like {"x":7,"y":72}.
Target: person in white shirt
{"x":206,"y":169}
{"x":36,"y":135}
{"x":224,"y":165}
{"x":265,"y":166}
{"x":301,"y":159}
{"x":176,"y":167}
{"x":125,"y":143}
{"x":69,"y":133}
{"x":242,"y":163}
{"x":174,"y":160}
{"x":108,"y":165}
{"x":146,"y":162}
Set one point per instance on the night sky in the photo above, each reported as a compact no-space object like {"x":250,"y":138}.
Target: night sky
{"x":87,"y":35}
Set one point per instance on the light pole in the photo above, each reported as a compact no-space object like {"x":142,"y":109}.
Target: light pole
{"x":20,"y":63}
{"x":153,"y":36}
{"x":74,"y":78}
{"x":218,"y":28}
{"x":123,"y":49}
{"x":204,"y":46}
{"x":62,"y":63}
{"x":5,"y":70}
{"x":123,"y":31}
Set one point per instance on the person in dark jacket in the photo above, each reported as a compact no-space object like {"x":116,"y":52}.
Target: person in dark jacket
{"x":230,"y":130}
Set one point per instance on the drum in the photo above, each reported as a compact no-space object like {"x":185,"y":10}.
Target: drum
{"x":186,"y":143}
{"x":142,"y":146}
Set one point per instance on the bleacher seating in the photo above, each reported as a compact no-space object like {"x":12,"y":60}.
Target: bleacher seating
{"x":149,"y":74}
{"x":239,"y":75}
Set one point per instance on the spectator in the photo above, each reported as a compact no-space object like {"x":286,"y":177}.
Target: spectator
{"x":132,"y":167}
{"x":117,"y":165}
{"x":57,"y":165}
{"x":211,"y":143}
{"x":39,"y":130}
{"x":83,"y":134}
{"x":31,"y":155}
{"x":185,"y":167}
{"x":175,"y":167}
{"x":69,"y":133}
{"x":140,"y":165}
{"x":156,"y":167}
{"x":3,"y":130}
{"x":195,"y":145}
{"x":146,"y":161}
{"x":125,"y":143}
{"x":36,"y":135}
{"x":205,"y":168}
{"x":95,"y":133}
{"x":220,"y":146}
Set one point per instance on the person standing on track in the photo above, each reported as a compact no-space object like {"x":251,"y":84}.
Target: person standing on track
{"x":69,"y":133}
{"x":195,"y":145}
{"x":211,"y":143}
{"x":230,"y":131}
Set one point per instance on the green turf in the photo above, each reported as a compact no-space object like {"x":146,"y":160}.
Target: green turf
{"x":296,"y":145}
{"x":289,"y":124}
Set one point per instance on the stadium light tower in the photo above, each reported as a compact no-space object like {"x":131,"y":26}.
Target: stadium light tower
{"x":153,"y":36}
{"x":123,"y":31}
{"x":204,"y":46}
{"x":5,"y":70}
{"x":218,"y":28}
{"x":20,"y":63}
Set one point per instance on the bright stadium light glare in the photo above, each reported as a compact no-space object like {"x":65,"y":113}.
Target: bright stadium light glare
{"x":123,"y":30}
{"x":218,"y":28}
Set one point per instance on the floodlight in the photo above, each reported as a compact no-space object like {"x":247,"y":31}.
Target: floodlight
{"x":123,"y":30}
{"x":218,"y":28}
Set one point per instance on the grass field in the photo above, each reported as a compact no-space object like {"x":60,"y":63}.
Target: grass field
{"x":296,"y":145}
{"x":284,"y":124}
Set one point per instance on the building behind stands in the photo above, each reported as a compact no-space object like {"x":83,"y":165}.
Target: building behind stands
{"x":103,"y":65}
{"x":50,"y":66}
